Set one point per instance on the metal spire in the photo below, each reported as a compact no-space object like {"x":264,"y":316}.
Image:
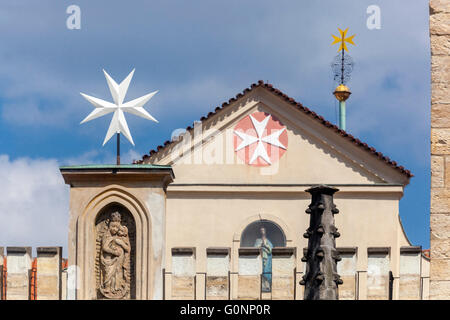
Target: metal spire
{"x":342,"y":67}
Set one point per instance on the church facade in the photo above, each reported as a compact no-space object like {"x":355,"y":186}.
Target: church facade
{"x":218,"y":212}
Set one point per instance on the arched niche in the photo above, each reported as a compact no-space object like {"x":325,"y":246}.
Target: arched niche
{"x":266,"y":235}
{"x":253,"y":231}
{"x":115,"y":253}
{"x":285,"y":228}
{"x":87,"y":241}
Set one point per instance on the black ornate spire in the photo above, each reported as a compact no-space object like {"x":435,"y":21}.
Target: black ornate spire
{"x":321,"y":279}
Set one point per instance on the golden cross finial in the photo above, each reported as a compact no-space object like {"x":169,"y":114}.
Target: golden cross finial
{"x":342,"y":39}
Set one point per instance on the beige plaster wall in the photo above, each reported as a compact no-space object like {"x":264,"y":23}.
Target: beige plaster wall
{"x":365,"y":220}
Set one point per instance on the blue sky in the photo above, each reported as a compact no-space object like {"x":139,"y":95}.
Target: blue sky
{"x":197,"y":54}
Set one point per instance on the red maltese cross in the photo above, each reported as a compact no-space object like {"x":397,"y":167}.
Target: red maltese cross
{"x":260,"y":139}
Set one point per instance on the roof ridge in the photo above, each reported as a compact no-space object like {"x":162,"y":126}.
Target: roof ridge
{"x":300,"y":107}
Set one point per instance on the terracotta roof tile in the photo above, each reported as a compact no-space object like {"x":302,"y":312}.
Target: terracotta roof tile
{"x":331,"y":126}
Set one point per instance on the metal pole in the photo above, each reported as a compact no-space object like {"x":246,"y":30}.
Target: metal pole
{"x":342,"y":103}
{"x":118,"y":148}
{"x":342,"y":61}
{"x":229,"y":285}
{"x":195,"y":287}
{"x":391,"y":285}
{"x":164,"y":284}
{"x":342,"y":115}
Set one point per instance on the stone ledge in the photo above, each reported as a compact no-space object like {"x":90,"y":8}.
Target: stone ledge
{"x":48,"y":250}
{"x":411,"y":249}
{"x":218,"y":251}
{"x":23,"y":250}
{"x":379,"y":250}
{"x":283,"y":251}
{"x":249,"y":251}
{"x":86,"y":174}
{"x":183,"y":251}
{"x":347,"y":250}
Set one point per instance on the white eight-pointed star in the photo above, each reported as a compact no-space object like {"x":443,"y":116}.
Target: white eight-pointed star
{"x":118,"y":123}
{"x":260,"y":151}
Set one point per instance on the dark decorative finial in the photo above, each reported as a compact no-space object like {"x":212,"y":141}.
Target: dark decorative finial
{"x":321,"y":279}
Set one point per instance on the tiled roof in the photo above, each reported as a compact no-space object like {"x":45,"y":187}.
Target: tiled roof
{"x":312,"y":114}
{"x":115,"y":166}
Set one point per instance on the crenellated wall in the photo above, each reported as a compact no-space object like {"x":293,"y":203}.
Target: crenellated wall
{"x":376,"y":282}
{"x":47,"y":276}
{"x":24,"y":277}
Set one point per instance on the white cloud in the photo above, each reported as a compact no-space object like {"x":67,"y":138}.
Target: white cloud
{"x":33,"y":204}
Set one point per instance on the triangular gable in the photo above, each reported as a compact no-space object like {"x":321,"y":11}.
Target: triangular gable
{"x":319,"y":137}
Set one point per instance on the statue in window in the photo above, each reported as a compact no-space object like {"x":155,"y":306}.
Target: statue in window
{"x":266,"y":248}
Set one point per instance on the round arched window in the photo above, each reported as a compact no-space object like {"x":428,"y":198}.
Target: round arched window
{"x":254,"y":231}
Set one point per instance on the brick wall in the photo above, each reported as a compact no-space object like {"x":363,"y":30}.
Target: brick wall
{"x":440,"y":149}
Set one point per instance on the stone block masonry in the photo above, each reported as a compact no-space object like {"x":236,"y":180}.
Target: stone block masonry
{"x":217,"y":271}
{"x":48,"y":279}
{"x":23,"y":277}
{"x":183,"y":281}
{"x":249,"y":278}
{"x":19,"y":272}
{"x":283,"y":265}
{"x":440,"y":149}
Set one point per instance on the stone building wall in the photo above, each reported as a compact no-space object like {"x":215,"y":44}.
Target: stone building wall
{"x":440,"y":149}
